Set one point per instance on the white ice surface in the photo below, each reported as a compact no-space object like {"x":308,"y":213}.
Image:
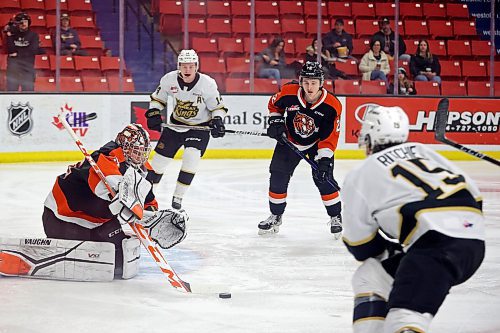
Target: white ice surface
{"x":295,"y":281}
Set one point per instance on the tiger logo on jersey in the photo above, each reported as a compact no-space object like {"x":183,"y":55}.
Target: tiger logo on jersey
{"x":185,"y":109}
{"x":304,"y":125}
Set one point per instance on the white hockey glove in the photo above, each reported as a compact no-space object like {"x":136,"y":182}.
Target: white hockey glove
{"x":128,"y":203}
{"x":166,"y":227}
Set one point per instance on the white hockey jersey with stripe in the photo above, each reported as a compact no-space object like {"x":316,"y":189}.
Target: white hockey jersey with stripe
{"x":407,"y":190}
{"x":193,"y":104}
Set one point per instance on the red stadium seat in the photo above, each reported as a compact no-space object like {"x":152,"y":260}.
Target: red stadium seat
{"x":437,"y":47}
{"x":350,"y":67}
{"x":458,"y":48}
{"x":291,"y":9}
{"x":218,"y":8}
{"x":473,"y":69}
{"x":385,"y":9}
{"x":427,"y":88}
{"x":3,"y":62}
{"x":171,"y":24}
{"x":311,"y":9}
{"x":71,"y":84}
{"x":42,"y":62}
{"x":259,"y":46}
{"x":360,"y":46}
{"x":197,"y":8}
{"x":11,"y":6}
{"x":450,"y":69}
{"x":212,"y":65}
{"x":237,"y":85}
{"x":464,"y":29}
{"x":312,"y":26}
{"x":230,"y":45}
{"x":238,"y":66}
{"x":219,"y":26}
{"x":480,"y":48}
{"x":434,"y":10}
{"x":291,"y":27}
{"x":266,"y":86}
{"x":110,"y":64}
{"x":347,"y":87}
{"x":267,"y":26}
{"x":50,"y":5}
{"x":339,"y":9}
{"x":240,"y":26}
{"x":88,"y":65}
{"x":171,"y":7}
{"x":240,"y":8}
{"x":301,"y":44}
{"x":496,"y":69}
{"x":196,"y":26}
{"x":79,"y":6}
{"x":45,"y":84}
{"x":410,"y":9}
{"x":457,"y":11}
{"x":440,"y":28}
{"x":95,"y":84}
{"x":366,"y":27}
{"x":205,"y":45}
{"x":363,"y":10}
{"x":33,"y":6}
{"x":266,"y":9}
{"x":373,"y":87}
{"x":66,"y":63}
{"x":453,"y":88}
{"x":114,"y":84}
{"x":417,"y":28}
{"x":92,"y":44}
{"x":478,"y":88}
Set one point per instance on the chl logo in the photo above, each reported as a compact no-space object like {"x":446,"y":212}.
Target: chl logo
{"x":20,"y":121}
{"x":303,"y":125}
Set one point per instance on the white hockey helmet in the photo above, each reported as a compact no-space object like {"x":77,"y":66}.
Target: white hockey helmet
{"x":135,"y":144}
{"x":382,"y":125}
{"x":188,"y":56}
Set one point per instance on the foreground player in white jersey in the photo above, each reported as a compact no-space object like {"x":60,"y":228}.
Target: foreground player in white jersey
{"x":430,"y":206}
{"x":196,"y":102}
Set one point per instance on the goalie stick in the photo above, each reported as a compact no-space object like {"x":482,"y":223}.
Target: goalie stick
{"x":206,"y":128}
{"x":174,"y":280}
{"x":440,"y":133}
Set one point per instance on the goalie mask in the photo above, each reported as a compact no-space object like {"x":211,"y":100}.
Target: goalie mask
{"x":382,"y":126}
{"x":134,"y":141}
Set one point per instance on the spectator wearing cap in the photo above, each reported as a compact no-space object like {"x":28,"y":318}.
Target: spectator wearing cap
{"x":22,"y":46}
{"x":387,"y":38}
{"x":405,"y":86}
{"x":375,"y":65}
{"x":338,"y":43}
{"x":70,"y":41}
{"x":330,"y":71}
{"x":425,"y":66}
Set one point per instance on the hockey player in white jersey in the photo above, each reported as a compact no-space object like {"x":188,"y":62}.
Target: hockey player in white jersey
{"x":197,"y":102}
{"x":426,"y":203}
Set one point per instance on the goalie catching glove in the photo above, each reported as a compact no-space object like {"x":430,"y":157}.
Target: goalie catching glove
{"x":128,"y":203}
{"x":166,"y":227}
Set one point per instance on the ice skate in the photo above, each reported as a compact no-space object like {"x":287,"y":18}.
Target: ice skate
{"x":271,"y":225}
{"x":336,"y":226}
{"x":177,"y":203}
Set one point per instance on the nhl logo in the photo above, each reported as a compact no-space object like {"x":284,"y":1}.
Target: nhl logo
{"x":20,"y":121}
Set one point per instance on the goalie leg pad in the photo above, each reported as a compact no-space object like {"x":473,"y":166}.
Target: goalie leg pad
{"x":371,"y":285}
{"x":131,"y":256}
{"x":57,"y":259}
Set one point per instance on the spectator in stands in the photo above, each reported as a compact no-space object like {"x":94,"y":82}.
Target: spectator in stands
{"x":273,"y":60}
{"x":70,"y":41}
{"x":22,"y":46}
{"x":338,"y":43}
{"x":424,"y":66}
{"x":405,"y":86}
{"x":107,"y":52}
{"x":375,"y":65}
{"x":331,"y":72}
{"x":387,"y":39}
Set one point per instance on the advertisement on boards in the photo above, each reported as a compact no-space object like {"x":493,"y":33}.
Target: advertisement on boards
{"x":470,"y":121}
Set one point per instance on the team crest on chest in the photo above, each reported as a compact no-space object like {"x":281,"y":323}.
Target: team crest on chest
{"x":185,"y":109}
{"x":303,"y":125}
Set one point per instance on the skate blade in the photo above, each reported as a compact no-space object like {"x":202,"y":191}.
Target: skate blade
{"x":271,"y":231}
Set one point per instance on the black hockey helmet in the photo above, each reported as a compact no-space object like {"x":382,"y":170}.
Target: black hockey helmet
{"x":312,"y":70}
{"x":22,"y":16}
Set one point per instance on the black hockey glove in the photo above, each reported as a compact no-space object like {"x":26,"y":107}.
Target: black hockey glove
{"x":325,"y":169}
{"x":154,"y":119}
{"x":217,"y":127}
{"x":276,"y":128}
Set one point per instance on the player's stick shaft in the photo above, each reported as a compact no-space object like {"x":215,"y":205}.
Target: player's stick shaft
{"x":206,"y":128}
{"x":174,"y":280}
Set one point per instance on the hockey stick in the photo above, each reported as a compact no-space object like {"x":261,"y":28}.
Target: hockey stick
{"x":440,"y":133}
{"x":147,"y":242}
{"x":206,"y":128}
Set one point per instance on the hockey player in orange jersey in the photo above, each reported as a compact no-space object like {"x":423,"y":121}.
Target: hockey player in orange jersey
{"x":309,"y":116}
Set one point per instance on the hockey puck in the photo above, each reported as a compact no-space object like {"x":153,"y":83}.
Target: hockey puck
{"x":225,"y":295}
